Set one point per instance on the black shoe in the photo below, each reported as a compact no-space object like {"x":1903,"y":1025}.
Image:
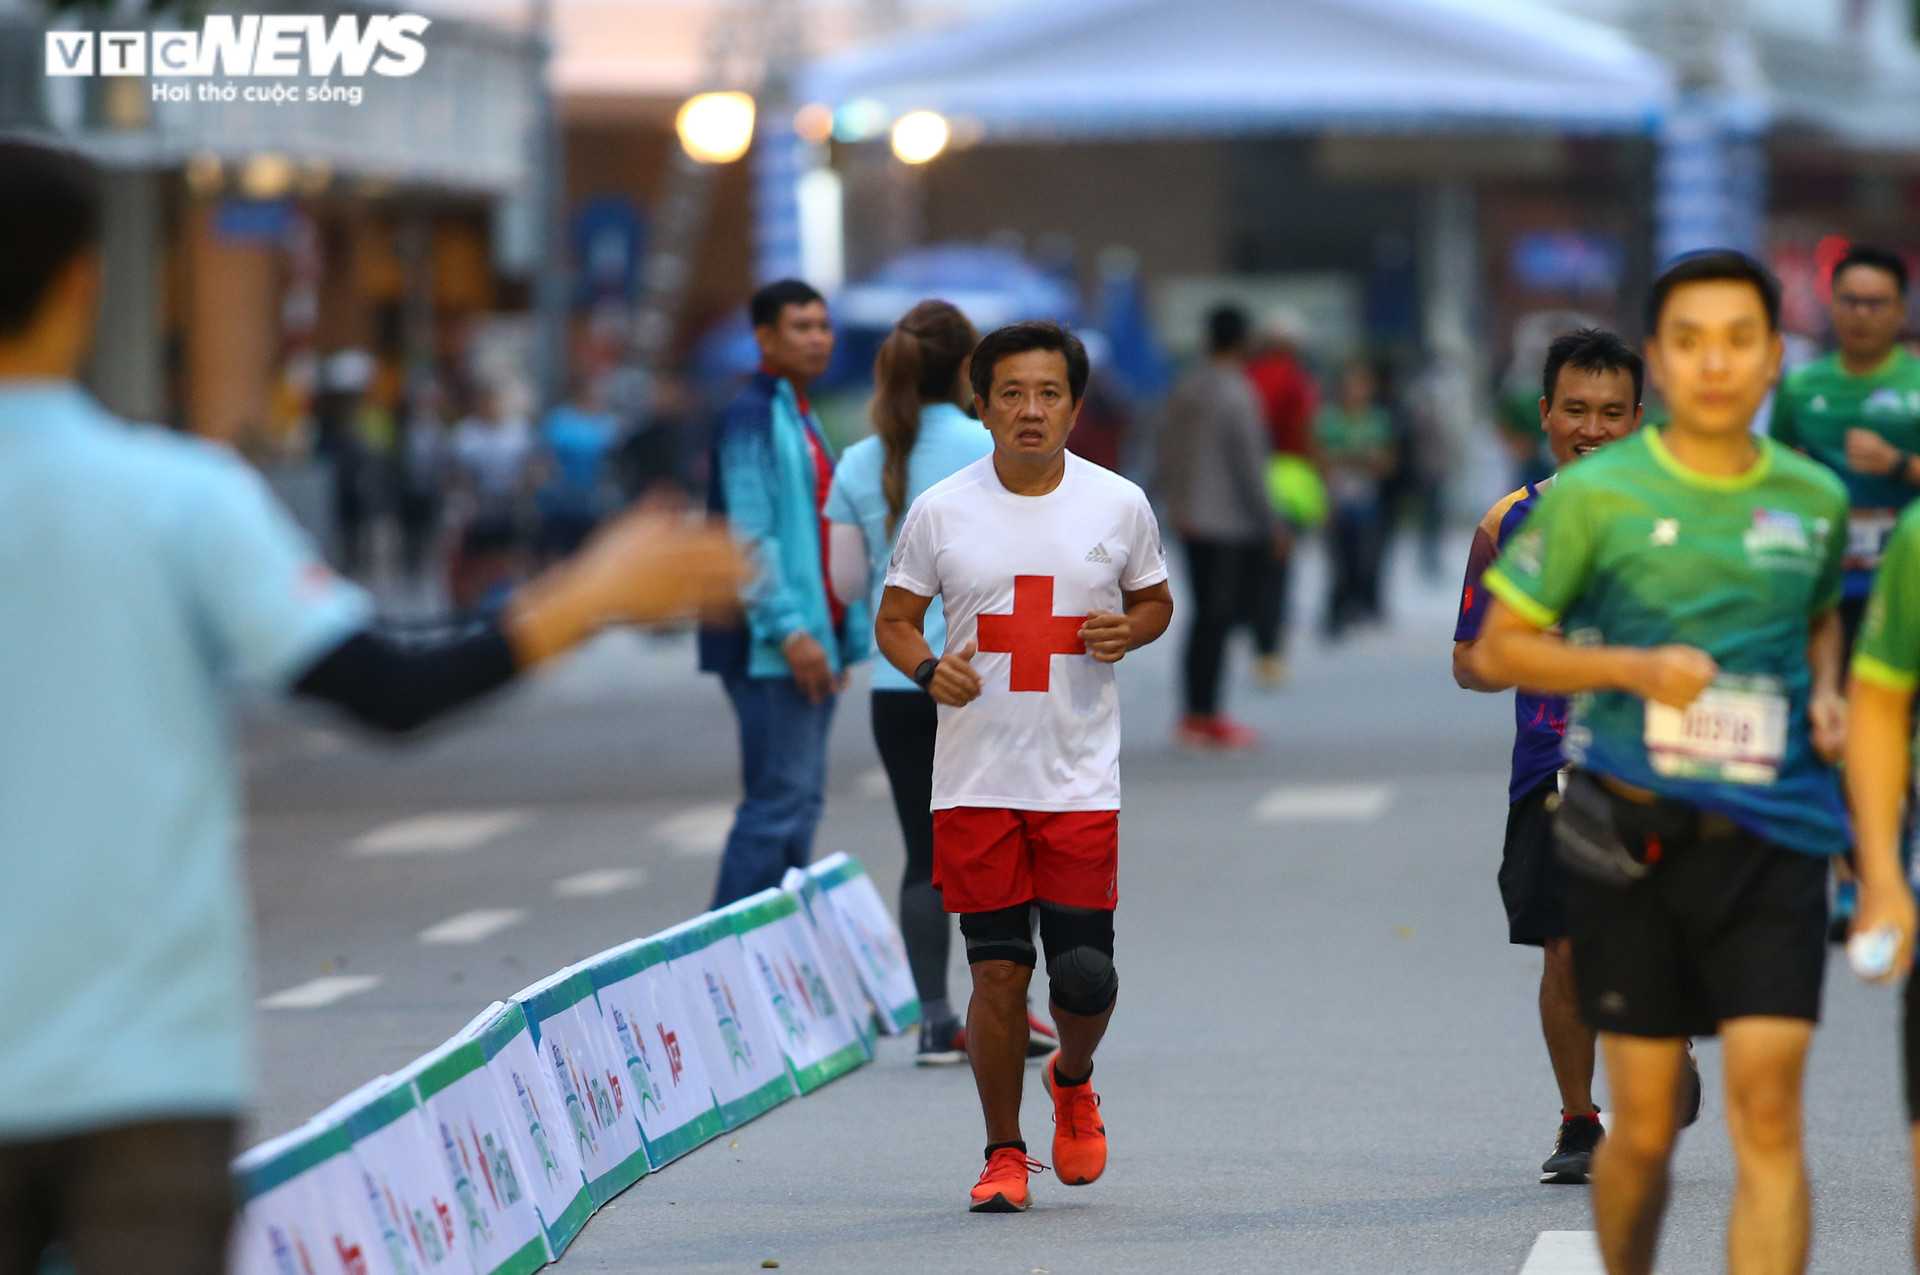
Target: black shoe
{"x":942,"y":1044}
{"x":1572,"y":1158}
{"x":1690,"y":1092}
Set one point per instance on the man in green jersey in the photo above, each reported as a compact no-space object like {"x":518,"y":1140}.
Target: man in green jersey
{"x":1695,"y":572}
{"x":1857,"y":411}
{"x":1886,"y":668}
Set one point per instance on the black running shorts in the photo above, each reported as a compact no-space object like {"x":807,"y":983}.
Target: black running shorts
{"x":1531,"y":882}
{"x":1724,"y":927}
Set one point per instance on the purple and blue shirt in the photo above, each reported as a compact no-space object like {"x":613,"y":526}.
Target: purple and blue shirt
{"x":1539,"y":720}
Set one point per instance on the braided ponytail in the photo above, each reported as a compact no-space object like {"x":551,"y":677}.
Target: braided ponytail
{"x":918,"y":363}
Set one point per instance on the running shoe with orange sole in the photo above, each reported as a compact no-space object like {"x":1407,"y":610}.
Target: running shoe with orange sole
{"x":1002,"y":1187}
{"x":1079,"y":1134}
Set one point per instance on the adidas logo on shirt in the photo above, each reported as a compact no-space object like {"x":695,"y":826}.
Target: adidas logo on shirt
{"x":1098,"y":554}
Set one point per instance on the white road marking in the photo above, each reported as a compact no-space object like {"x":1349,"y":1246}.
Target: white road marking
{"x":1565,"y":1253}
{"x":471,"y":927}
{"x":448,"y":832}
{"x":697,"y":832}
{"x":1324,"y":801}
{"x":324,"y":990}
{"x":588,"y":885}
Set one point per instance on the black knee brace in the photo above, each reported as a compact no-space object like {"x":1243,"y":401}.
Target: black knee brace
{"x":1080,"y":973}
{"x":1003,"y":935}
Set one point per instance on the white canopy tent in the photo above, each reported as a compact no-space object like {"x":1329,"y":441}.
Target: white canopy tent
{"x":1111,"y":68}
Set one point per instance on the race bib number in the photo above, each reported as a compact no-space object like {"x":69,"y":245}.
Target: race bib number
{"x":1867,"y":532}
{"x":1735,"y":733}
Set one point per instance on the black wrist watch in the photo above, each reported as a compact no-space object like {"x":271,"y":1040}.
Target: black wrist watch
{"x":923,"y":675}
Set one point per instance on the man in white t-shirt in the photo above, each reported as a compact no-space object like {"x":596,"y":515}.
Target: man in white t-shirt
{"x":1050,"y":570}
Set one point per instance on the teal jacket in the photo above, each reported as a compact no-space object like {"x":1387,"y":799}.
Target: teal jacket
{"x":763,"y":484}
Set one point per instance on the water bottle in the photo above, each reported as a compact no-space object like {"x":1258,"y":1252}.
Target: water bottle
{"x":1871,"y":952}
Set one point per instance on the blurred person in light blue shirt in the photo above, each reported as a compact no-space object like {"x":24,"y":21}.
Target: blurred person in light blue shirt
{"x":920,"y":437}
{"x":576,"y":489}
{"x":143,"y":575}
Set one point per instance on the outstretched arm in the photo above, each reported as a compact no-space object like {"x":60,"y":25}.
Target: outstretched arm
{"x":1513,"y":651}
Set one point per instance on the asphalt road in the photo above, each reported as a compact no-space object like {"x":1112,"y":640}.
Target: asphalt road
{"x":1326,"y":1056}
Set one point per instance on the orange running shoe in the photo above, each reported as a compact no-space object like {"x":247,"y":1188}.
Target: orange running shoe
{"x":1079,"y":1135}
{"x":1002,"y":1187}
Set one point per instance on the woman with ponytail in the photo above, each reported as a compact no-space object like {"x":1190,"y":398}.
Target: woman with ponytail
{"x":920,"y":436}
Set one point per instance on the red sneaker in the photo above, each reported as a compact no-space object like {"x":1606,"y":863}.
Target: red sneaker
{"x":1196,"y":732}
{"x":1002,"y":1187}
{"x":1233,"y":736}
{"x":1079,"y":1135}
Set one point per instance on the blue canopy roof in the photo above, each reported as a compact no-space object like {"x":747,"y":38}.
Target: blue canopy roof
{"x":1129,"y":68}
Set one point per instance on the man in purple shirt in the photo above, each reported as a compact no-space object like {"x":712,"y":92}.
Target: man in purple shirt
{"x":1593,"y":384}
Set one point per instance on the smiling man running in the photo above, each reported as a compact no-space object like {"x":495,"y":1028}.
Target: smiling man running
{"x":1050,"y":570}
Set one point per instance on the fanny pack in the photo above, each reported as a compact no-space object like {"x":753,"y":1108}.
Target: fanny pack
{"x":1604,"y":838}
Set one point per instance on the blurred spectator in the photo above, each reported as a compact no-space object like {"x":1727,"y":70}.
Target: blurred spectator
{"x":1100,"y":433}
{"x":576,"y":490}
{"x":1356,"y":447}
{"x":651,"y":460}
{"x":344,"y":379}
{"x":423,"y":476}
{"x":785,"y":666}
{"x":491,"y":454}
{"x":1289,"y":398}
{"x":161,"y":575}
{"x":1426,"y":449}
{"x":1213,"y":461}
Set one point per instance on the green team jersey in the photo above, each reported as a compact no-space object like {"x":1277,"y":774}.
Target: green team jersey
{"x":1887,"y":652}
{"x":1813,"y":410}
{"x":1630,"y":548}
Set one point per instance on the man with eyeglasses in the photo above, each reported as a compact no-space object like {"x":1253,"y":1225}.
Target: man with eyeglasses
{"x":1857,"y":411}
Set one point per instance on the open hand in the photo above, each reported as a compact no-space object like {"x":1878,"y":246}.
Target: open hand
{"x":812,"y":670}
{"x":1106,"y":635}
{"x":651,"y":565}
{"x":954,"y":681}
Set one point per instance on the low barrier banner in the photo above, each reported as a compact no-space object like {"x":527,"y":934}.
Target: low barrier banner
{"x":744,"y":1063}
{"x":494,"y":1209}
{"x":577,"y":1049}
{"x":789,"y":975}
{"x":406,"y":1186}
{"x":653,"y":1025}
{"x":300,"y":1206}
{"x":871,"y":938}
{"x":553,"y":1177}
{"x":842,"y":976}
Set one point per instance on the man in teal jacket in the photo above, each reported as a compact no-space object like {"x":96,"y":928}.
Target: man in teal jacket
{"x":786,"y":663}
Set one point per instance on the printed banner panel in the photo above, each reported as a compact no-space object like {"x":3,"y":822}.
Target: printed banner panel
{"x":842,"y":977}
{"x":406,"y":1187}
{"x":577,"y":1048}
{"x":744,"y":1063}
{"x":465,"y":1116}
{"x":872,"y":938}
{"x":553,"y":1178}
{"x":301,"y":1207}
{"x":787,"y":973}
{"x":653,"y":1025}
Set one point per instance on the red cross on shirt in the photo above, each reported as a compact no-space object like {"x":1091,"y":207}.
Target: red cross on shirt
{"x":1033,"y":634}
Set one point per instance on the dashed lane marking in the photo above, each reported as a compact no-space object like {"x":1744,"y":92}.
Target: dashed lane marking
{"x":1304,"y":802}
{"x":448,"y":832}
{"x":591,"y":885}
{"x":1565,"y":1253}
{"x":471,"y":927}
{"x":698,"y":832}
{"x":322,"y":991}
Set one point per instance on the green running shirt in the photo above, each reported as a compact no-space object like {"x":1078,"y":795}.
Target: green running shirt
{"x":1815,"y":407}
{"x":1887,"y":652}
{"x":1630,"y":548}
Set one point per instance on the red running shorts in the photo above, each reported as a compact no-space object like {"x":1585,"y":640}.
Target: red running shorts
{"x":988,"y":859}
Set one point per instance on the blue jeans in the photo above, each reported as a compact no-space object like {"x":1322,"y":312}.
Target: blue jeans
{"x":783,"y":767}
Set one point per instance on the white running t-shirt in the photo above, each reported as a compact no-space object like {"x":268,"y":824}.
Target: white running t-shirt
{"x":1019,"y":575}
